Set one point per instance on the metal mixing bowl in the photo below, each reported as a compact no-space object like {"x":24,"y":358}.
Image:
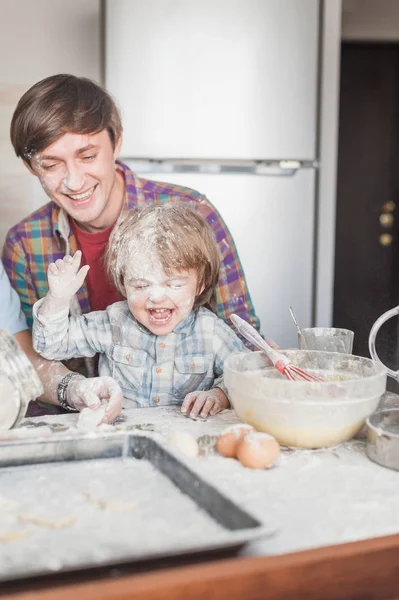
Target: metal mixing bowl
{"x":302,"y":413}
{"x":383,"y":438}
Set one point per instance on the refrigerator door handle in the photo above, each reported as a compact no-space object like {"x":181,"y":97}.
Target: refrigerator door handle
{"x":285,"y":167}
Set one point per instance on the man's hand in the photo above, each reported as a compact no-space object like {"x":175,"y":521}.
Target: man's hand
{"x":94,"y":391}
{"x":201,"y":404}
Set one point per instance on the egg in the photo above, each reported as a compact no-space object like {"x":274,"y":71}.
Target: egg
{"x":228,"y":440}
{"x":258,"y":450}
{"x":185,"y":442}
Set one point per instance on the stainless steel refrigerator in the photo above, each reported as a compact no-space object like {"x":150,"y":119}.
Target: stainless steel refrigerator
{"x":222,"y":96}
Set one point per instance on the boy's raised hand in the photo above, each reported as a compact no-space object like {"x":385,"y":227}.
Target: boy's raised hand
{"x":65,"y":277}
{"x":200,"y":404}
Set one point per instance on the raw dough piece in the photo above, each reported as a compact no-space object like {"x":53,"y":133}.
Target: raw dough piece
{"x":7,"y":503}
{"x":185,"y":442}
{"x":22,"y":433}
{"x":46,"y":523}
{"x":106,"y":505}
{"x":121,"y":507}
{"x":13,"y":536}
{"x":90,"y":419}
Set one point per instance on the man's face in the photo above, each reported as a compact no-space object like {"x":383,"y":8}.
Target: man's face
{"x":78,"y":173}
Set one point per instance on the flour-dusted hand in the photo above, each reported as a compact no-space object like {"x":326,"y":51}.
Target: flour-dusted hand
{"x":94,"y":391}
{"x":204,"y":403}
{"x":65,"y":277}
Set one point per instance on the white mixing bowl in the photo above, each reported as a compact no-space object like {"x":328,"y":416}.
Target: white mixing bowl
{"x":302,"y":413}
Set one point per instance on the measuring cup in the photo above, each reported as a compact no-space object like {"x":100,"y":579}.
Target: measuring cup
{"x":326,"y":339}
{"x":394,"y":312}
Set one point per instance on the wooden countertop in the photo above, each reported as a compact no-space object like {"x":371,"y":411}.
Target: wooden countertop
{"x":368,"y":569}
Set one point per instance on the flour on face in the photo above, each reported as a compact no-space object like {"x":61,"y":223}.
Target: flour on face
{"x":78,"y":173}
{"x":159,"y":300}
{"x":153,"y":258}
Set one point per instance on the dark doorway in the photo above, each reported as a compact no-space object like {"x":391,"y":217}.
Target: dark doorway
{"x":366,"y":260}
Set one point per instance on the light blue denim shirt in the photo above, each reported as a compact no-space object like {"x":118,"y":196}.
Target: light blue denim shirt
{"x":11,"y":316}
{"x":151,"y":370}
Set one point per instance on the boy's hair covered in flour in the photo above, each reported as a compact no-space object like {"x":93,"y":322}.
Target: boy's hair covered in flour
{"x":176,"y":235}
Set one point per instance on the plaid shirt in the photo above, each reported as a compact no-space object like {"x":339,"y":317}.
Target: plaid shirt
{"x":151,"y":370}
{"x":46,"y":235}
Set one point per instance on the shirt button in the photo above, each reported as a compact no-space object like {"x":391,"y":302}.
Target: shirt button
{"x":158,"y":370}
{"x":162,"y":345}
{"x":128,"y":356}
{"x":157,"y":399}
{"x":192,"y":366}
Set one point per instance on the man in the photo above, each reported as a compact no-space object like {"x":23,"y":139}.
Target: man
{"x":68,"y":132}
{"x":62,"y":388}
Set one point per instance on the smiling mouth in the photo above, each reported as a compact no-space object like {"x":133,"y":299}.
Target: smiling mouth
{"x":160,"y":316}
{"x":83,"y":196}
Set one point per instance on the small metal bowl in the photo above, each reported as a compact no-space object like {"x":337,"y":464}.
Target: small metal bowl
{"x":383,"y":438}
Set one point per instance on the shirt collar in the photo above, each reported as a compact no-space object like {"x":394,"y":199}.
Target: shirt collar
{"x":60,"y":226}
{"x":134,"y":192}
{"x":186,"y":325}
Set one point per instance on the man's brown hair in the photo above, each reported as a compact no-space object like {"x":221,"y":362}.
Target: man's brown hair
{"x":176,"y":235}
{"x":62,"y":104}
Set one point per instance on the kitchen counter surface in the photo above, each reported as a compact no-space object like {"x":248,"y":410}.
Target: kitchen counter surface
{"x":312,"y":498}
{"x":315,"y":500}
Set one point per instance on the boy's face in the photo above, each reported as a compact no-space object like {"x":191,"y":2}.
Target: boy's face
{"x":78,"y":173}
{"x":160,"y":301}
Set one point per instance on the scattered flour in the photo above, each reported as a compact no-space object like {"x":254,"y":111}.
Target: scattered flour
{"x":303,"y":498}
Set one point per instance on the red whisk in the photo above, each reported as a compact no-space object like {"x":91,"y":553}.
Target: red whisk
{"x":280,"y":362}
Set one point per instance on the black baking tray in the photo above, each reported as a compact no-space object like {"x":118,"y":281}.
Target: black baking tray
{"x":34,"y":474}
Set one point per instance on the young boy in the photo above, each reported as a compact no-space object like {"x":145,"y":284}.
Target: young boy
{"x":162,"y":345}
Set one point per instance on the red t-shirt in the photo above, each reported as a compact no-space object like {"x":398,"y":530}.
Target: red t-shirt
{"x":102,"y":292}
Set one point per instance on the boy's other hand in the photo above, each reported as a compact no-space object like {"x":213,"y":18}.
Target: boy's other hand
{"x":204,"y":403}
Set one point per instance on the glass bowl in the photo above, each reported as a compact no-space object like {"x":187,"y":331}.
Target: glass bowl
{"x":301,"y":413}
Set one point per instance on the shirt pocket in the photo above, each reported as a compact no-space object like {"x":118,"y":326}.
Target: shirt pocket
{"x":128,"y":367}
{"x":192,"y":373}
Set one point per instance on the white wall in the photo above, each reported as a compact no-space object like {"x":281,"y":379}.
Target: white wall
{"x":38,"y":38}
{"x":370,"y":20}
